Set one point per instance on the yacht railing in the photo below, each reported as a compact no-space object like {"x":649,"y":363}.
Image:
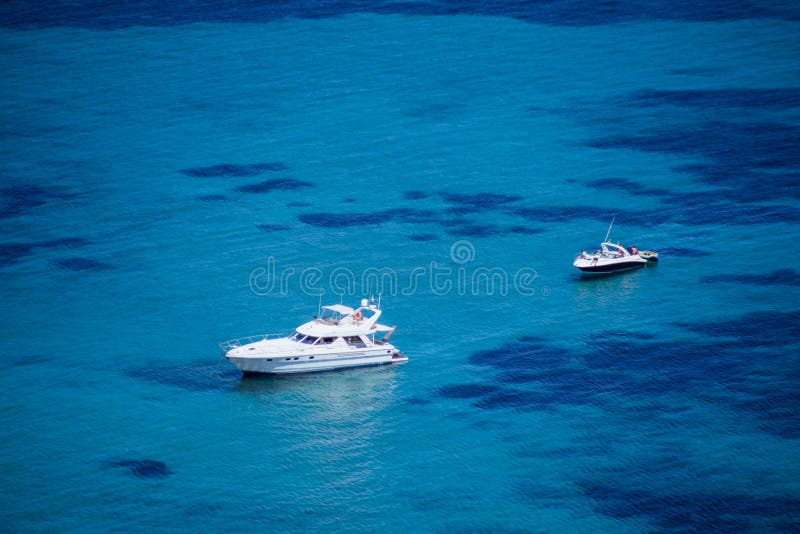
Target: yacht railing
{"x":238,"y":342}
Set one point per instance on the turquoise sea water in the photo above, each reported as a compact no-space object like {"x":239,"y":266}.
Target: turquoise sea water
{"x":159,"y":169}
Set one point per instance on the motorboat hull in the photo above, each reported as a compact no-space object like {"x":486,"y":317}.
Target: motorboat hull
{"x":291,"y":364}
{"x":611,"y":267}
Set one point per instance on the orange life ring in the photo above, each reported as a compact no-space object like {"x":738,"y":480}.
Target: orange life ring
{"x":357,"y":315}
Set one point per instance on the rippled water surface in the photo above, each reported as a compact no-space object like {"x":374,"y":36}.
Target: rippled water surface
{"x":173,"y":176}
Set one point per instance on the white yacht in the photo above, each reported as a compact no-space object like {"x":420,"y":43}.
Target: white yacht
{"x":338,"y":337}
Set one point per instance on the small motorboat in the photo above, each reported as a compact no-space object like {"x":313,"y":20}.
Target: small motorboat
{"x":649,"y":255}
{"x":337,"y":338}
{"x":611,"y":258}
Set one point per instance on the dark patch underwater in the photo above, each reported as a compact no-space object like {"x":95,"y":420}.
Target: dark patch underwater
{"x":211,"y":198}
{"x":484,"y":229}
{"x":415,"y":195}
{"x":65,"y":242}
{"x":748,"y":160}
{"x":277,"y":184}
{"x":273,"y":227}
{"x":144,"y":468}
{"x":476,"y":230}
{"x":340,"y":220}
{"x":763,"y":328}
{"x":343,"y":220}
{"x":422,"y":237}
{"x":700,"y":210}
{"x":733,"y":146}
{"x":479,"y":201}
{"x":778,"y":98}
{"x":691,"y":512}
{"x":17,"y":199}
{"x":82,"y":264}
{"x":12,"y":253}
{"x":525,"y":230}
{"x":531,"y":374}
{"x":466,"y":391}
{"x":628,"y":186}
{"x":787,"y":277}
{"x":25,"y":361}
{"x":554,"y":214}
{"x":105,"y":15}
{"x":199,"y":377}
{"x":232,"y":170}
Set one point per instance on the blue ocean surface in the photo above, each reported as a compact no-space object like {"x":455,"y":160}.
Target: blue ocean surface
{"x":173,"y":175}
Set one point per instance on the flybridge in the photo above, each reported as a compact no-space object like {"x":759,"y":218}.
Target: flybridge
{"x":340,"y":309}
{"x":339,"y":320}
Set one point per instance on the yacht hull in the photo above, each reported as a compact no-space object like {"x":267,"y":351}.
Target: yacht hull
{"x":316,"y":363}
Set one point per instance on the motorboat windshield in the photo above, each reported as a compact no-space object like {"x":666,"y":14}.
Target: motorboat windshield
{"x":614,"y":250}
